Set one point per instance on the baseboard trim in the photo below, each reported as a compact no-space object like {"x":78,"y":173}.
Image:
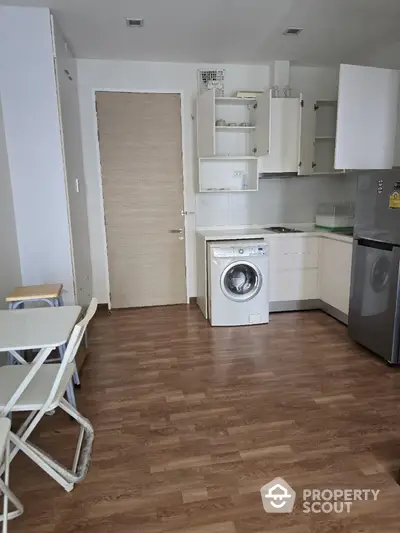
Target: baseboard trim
{"x":308,"y":305}
{"x":332,"y":311}
{"x":294,"y":305}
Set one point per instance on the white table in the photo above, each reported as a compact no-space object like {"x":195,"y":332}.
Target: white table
{"x":38,"y":328}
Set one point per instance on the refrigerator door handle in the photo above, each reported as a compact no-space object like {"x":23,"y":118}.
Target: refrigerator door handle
{"x":375,"y":244}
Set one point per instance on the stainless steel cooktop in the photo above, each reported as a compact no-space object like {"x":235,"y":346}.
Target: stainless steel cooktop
{"x":281,"y":229}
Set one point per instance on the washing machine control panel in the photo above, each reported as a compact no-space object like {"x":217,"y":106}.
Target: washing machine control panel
{"x":257,"y":250}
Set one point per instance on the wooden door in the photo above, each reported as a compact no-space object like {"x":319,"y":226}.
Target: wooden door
{"x":367,"y":117}
{"x":140,"y":142}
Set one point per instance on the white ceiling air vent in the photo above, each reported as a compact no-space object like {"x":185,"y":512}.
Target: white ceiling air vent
{"x":211,"y":79}
{"x":134,"y":23}
{"x":292,"y":31}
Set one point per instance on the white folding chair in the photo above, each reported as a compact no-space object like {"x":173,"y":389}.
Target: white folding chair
{"x":8,"y":495}
{"x":38,"y":389}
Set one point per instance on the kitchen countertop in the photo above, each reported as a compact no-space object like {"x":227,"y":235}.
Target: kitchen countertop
{"x":260,"y":232}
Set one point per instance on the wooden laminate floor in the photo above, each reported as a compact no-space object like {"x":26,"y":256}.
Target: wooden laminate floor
{"x":191,"y":421}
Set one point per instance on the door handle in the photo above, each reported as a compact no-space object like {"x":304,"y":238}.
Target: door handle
{"x":175,"y":231}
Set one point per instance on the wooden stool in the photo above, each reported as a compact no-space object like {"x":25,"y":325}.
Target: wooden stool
{"x":50,"y":294}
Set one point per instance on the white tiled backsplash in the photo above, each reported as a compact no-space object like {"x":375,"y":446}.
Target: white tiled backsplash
{"x":280,"y":200}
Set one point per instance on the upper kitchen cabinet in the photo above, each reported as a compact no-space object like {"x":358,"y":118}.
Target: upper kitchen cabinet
{"x":366,"y":118}
{"x":231,"y":134}
{"x":323,"y":137}
{"x":230,"y":127}
{"x":285,"y":137}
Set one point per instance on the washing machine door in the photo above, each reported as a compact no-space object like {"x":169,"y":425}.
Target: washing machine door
{"x":241,"y":281}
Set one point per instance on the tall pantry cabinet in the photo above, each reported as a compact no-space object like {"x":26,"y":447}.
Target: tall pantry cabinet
{"x":42,"y":129}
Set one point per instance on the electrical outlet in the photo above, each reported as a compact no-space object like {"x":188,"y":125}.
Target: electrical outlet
{"x":238,"y":173}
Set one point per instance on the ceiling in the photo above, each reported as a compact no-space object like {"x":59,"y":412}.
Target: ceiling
{"x":226,"y":31}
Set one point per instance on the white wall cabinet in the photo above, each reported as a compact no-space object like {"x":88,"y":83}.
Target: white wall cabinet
{"x":285,"y":134}
{"x":367,"y":117}
{"x":232,"y":127}
{"x":304,"y":136}
{"x":231,"y":133}
{"x":335,"y":273}
{"x":307,"y":136}
{"x":262,"y":135}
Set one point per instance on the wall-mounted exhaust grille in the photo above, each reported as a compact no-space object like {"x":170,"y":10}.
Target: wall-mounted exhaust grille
{"x":134,"y":23}
{"x":211,"y":79}
{"x":292,"y":31}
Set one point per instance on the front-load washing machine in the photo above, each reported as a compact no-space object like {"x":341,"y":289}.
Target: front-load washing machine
{"x":238,"y":283}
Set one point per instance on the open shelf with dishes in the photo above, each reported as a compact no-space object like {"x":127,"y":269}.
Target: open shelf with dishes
{"x":232,"y":133}
{"x":231,"y":126}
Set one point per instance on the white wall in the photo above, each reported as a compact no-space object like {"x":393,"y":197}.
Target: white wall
{"x":147,"y":77}
{"x":70,"y":118}
{"x":31,"y":123}
{"x":10,"y":272}
{"x":280,"y":200}
{"x":321,"y":82}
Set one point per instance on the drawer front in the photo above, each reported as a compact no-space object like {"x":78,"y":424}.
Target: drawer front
{"x":287,"y":285}
{"x":291,"y":253}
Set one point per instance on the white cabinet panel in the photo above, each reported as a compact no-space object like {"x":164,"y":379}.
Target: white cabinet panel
{"x":206,"y":124}
{"x":293,"y":252}
{"x":293,"y":268}
{"x":263,"y":123}
{"x":284,"y":150}
{"x":307,"y":135}
{"x":335,"y":273}
{"x":367,"y":118}
{"x":293,"y":285}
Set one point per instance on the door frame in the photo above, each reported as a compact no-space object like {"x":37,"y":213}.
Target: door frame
{"x":100,"y":177}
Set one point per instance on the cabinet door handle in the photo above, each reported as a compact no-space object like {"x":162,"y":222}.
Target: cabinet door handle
{"x":175,"y":231}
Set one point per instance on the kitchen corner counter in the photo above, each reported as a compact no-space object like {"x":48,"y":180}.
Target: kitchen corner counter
{"x":308,"y":270}
{"x":233,"y":234}
{"x":307,"y":230}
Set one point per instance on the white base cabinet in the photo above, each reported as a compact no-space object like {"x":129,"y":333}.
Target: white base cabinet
{"x":310,"y":273}
{"x":293,"y":269}
{"x":335,"y":273}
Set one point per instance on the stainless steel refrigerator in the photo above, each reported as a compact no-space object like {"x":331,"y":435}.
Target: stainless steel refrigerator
{"x":374,"y":314}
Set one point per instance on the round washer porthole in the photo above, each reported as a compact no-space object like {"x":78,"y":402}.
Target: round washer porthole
{"x":241,"y":281}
